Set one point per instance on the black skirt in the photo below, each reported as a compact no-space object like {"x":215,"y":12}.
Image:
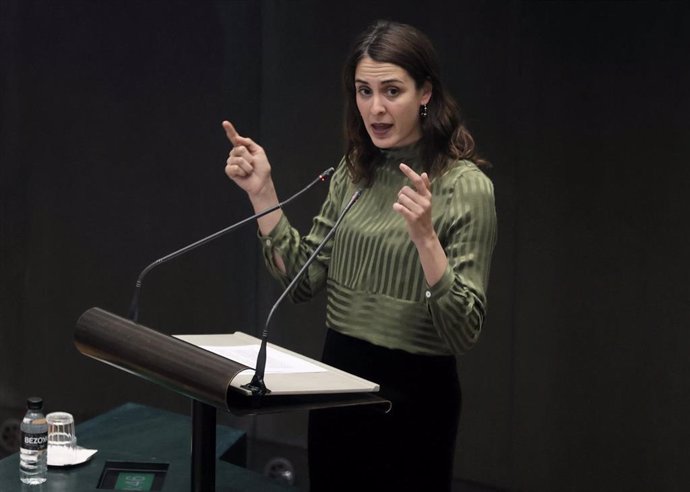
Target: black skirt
{"x":409,"y":448}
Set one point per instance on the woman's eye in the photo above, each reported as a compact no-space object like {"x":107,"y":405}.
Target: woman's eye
{"x":393,"y":91}
{"x":364,"y":91}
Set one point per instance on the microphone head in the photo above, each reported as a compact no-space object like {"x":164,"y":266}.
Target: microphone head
{"x":326,"y":174}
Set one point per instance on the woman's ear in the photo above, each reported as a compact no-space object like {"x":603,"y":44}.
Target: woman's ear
{"x":426,"y":92}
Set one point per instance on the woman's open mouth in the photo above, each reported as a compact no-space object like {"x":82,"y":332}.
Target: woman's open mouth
{"x":380,"y":130}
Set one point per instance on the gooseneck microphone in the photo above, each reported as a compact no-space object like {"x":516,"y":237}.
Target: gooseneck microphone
{"x":134,"y":306}
{"x":257,"y":385}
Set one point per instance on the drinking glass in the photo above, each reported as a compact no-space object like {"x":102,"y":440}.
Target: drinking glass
{"x":61,"y":429}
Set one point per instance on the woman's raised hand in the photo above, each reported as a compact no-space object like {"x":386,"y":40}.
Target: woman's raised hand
{"x":414,"y":204}
{"x":247,"y":164}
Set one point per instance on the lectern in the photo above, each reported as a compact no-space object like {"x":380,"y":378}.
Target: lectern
{"x":210,"y":380}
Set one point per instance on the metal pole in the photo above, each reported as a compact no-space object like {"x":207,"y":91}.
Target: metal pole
{"x":203,"y":447}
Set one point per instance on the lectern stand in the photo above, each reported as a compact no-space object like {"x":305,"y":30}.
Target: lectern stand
{"x":201,"y":375}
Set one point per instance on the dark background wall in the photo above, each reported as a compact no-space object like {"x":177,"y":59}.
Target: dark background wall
{"x":112,"y":155}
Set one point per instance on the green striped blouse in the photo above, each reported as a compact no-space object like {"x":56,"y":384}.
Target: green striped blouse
{"x":376,"y":289}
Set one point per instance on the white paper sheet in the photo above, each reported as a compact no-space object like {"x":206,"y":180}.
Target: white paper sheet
{"x":277,"y":362}
{"x":68,"y":455}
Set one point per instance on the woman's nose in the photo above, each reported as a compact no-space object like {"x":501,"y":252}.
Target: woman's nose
{"x":377,"y":106}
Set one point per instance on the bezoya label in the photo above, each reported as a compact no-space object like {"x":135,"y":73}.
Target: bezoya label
{"x":35,"y":442}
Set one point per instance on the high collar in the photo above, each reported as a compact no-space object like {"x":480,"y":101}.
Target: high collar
{"x":409,"y":154}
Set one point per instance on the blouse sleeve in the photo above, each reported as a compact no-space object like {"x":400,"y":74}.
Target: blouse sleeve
{"x":457,"y":302}
{"x":294,"y":250}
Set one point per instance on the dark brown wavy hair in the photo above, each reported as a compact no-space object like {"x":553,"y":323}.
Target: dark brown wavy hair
{"x":444,"y":136}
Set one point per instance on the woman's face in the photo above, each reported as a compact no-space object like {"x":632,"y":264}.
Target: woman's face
{"x":388,"y":101}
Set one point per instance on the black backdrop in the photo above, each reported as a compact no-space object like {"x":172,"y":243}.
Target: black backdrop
{"x":112,"y":154}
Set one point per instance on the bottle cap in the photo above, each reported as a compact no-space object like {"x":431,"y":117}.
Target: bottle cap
{"x":34,"y":403}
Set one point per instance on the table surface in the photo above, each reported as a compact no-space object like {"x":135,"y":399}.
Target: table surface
{"x":139,"y":433}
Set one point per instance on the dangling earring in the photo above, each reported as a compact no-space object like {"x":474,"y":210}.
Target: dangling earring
{"x":423,"y":111}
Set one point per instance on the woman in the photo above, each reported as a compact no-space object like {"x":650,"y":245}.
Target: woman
{"x":405,"y":281}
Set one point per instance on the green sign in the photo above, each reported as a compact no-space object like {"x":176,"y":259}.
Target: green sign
{"x":134,"y":481}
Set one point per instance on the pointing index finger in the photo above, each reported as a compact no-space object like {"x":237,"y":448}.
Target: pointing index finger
{"x":231,"y":133}
{"x":419,"y":183}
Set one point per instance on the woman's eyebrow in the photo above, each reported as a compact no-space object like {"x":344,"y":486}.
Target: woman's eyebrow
{"x":387,"y":81}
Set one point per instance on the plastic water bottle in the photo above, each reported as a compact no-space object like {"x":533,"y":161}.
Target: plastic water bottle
{"x":33,"y":451}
